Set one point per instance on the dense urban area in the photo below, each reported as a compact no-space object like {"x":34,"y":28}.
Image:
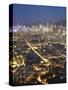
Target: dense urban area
{"x":38,"y":54}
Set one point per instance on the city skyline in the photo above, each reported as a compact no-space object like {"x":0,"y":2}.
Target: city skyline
{"x":37,"y":45}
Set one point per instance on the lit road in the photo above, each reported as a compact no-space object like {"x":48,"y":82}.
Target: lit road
{"x":44,"y":59}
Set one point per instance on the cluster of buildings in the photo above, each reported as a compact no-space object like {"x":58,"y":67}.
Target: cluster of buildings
{"x":47,"y":42}
{"x":40,"y":33}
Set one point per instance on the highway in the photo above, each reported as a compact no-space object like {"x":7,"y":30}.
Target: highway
{"x":44,"y":59}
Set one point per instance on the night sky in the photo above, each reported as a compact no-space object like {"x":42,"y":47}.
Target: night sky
{"x":29,"y":14}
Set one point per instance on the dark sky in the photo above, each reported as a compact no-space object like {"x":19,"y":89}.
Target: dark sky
{"x":28,"y":14}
